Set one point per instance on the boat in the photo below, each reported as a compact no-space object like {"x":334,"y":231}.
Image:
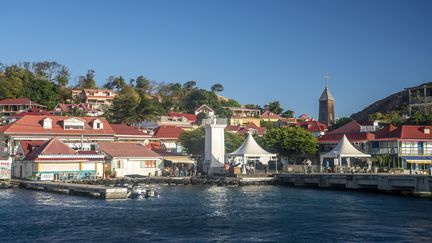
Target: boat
{"x":140,"y":193}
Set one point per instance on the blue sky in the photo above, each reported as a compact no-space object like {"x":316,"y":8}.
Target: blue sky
{"x":259,"y":50}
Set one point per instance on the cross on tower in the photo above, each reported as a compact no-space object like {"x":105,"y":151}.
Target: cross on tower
{"x":326,"y":78}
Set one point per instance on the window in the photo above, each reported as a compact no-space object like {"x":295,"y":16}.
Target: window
{"x":148,"y":164}
{"x":119,"y":164}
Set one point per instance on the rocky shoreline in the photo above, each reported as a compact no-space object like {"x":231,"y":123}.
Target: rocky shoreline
{"x":174,"y":181}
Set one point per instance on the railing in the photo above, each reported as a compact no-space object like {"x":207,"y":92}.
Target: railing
{"x":215,"y":121}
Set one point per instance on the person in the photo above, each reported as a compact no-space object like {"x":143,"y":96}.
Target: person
{"x":309,"y":166}
{"x":227,"y":169}
{"x":304,"y":166}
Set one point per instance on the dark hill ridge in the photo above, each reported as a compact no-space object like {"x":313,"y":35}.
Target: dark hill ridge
{"x":392,"y":102}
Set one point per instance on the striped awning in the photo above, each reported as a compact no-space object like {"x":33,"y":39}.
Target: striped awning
{"x":417,"y":159}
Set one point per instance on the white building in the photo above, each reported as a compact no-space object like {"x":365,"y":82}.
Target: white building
{"x":131,"y":159}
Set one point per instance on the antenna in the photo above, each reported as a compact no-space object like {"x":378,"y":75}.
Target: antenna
{"x":326,"y":78}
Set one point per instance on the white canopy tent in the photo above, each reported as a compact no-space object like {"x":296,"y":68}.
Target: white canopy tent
{"x":250,"y":150}
{"x":344,"y":149}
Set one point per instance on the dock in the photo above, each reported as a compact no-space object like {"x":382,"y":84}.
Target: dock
{"x":102,"y":192}
{"x":374,"y":182}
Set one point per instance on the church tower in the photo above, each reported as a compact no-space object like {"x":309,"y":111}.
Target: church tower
{"x":326,"y":106}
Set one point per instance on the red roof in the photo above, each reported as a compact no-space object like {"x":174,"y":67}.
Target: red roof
{"x":352,"y":137}
{"x":31,"y":124}
{"x":233,"y":128}
{"x":351,"y":126}
{"x":168,"y":132}
{"x":315,"y":126}
{"x":120,"y":129}
{"x":190,"y":117}
{"x":29,"y":146}
{"x":133,"y":150}
{"x":52,"y":147}
{"x":404,"y":132}
{"x":270,"y":115}
{"x":19,"y":101}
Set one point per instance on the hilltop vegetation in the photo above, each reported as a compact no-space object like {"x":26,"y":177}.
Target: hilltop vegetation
{"x":393,"y":109}
{"x":138,"y":99}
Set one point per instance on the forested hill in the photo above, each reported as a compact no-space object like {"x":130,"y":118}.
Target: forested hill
{"x":394,"y":102}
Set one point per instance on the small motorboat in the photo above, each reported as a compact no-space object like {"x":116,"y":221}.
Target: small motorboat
{"x":139,"y":193}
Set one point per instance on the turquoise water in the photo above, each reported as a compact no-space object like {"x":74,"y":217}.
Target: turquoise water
{"x":221,"y":214}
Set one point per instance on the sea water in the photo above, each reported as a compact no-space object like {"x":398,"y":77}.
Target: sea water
{"x":219,"y":214}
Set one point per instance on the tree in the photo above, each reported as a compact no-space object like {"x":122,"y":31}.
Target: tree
{"x":233,"y":141}
{"x":142,"y":83}
{"x":201,"y":116}
{"x":288,"y":114}
{"x":217,"y":88}
{"x":198,"y":97}
{"x":63,"y":76}
{"x":88,"y":81}
{"x":274,"y":107}
{"x":117,"y":83}
{"x":193,"y":141}
{"x":189,"y":85}
{"x":267,"y":124}
{"x":124,"y":106}
{"x":43,"y":92}
{"x":289,"y":141}
{"x":230,"y":103}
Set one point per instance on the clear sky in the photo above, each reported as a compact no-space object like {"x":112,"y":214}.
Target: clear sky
{"x":259,"y":50}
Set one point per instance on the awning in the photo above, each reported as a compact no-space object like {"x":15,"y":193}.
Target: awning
{"x":417,"y":159}
{"x":180,"y":159}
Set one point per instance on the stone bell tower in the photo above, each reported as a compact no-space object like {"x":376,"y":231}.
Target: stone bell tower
{"x":326,"y":105}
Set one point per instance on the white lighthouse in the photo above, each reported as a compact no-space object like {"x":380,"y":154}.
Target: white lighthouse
{"x":215,"y":144}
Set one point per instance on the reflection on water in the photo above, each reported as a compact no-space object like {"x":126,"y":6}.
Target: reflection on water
{"x":195,"y":213}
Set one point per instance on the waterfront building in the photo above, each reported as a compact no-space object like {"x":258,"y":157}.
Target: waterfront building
{"x":407,"y":147}
{"x":358,"y":132}
{"x":241,"y":116}
{"x":420,"y":98}
{"x":131,"y":159}
{"x":54,"y":160}
{"x":169,"y":138}
{"x":80,"y":133}
{"x":9,"y":107}
{"x":326,"y":107}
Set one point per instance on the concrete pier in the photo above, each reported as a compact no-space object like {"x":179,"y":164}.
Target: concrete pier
{"x":102,"y":192}
{"x":387,"y":183}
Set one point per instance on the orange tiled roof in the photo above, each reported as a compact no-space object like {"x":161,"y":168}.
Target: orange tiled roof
{"x":168,"y":132}
{"x":133,"y":150}
{"x":33,"y":124}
